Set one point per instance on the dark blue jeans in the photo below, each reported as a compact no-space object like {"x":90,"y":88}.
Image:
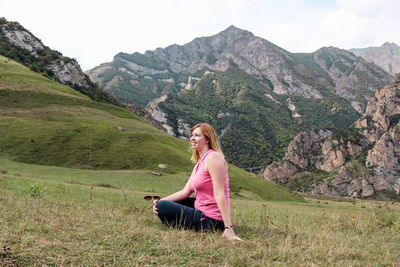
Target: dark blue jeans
{"x":182,"y":214}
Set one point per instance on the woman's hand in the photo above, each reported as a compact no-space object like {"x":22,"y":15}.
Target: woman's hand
{"x":230,"y":235}
{"x":155,"y":211}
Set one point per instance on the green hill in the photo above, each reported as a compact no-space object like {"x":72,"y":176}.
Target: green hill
{"x":44,"y":122}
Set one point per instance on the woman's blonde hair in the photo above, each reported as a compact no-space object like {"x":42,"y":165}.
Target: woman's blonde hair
{"x":209,"y":132}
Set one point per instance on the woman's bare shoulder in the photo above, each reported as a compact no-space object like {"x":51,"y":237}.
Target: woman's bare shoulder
{"x":215,"y":157}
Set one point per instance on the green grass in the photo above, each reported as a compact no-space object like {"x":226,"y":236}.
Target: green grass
{"x":242,"y":184}
{"x":60,"y":216}
{"x":85,"y":142}
{"x":121,"y":179}
{"x":33,"y":99}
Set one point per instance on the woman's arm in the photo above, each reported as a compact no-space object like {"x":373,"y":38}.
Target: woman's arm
{"x":215,"y":164}
{"x":181,"y":194}
{"x":177,"y":196}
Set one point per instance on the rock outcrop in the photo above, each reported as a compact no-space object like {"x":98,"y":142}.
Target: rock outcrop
{"x":143,"y":113}
{"x":69,"y":72}
{"x":23,"y":39}
{"x":158,"y":115}
{"x":315,"y":149}
{"x":360,"y":164}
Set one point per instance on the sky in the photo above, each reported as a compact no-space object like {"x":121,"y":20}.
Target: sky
{"x":94,"y":31}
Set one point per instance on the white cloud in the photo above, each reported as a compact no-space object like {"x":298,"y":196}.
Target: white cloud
{"x":94,"y":31}
{"x":363,"y":23}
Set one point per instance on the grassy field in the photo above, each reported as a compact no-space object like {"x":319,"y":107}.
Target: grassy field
{"x":59,"y":216}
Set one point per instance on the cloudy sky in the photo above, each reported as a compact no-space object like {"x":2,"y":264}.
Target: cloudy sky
{"x":93,"y":31}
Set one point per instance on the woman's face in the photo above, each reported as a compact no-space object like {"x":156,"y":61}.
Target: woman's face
{"x":198,"y":140}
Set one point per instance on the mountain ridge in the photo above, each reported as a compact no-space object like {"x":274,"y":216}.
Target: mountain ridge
{"x":284,"y":72}
{"x":386,"y":56}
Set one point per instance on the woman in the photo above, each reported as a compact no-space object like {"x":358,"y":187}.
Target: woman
{"x":210,"y":183}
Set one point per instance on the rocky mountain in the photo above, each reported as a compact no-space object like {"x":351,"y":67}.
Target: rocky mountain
{"x":362,"y":161}
{"x":19,"y":44}
{"x":141,"y":78}
{"x":254,"y":123}
{"x":387,"y":56}
{"x":256,"y":94}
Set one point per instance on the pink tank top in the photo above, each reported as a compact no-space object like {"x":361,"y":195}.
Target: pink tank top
{"x":201,"y":184}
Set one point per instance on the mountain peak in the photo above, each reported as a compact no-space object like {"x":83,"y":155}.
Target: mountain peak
{"x":235,"y":31}
{"x":388,"y":44}
{"x":233,"y":28}
{"x":385,"y":56}
{"x":333,"y":51}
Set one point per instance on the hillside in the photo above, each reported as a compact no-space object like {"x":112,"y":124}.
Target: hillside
{"x":254,"y":124}
{"x":257,"y":95}
{"x":44,"y":122}
{"x":47,"y":123}
{"x":19,"y":44}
